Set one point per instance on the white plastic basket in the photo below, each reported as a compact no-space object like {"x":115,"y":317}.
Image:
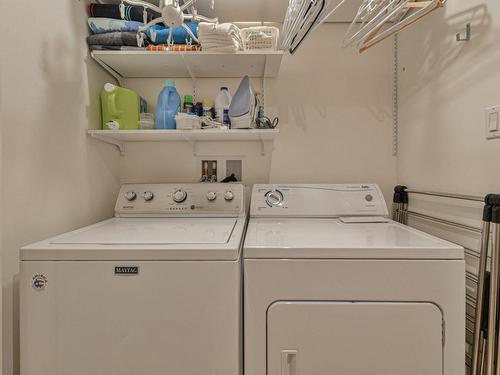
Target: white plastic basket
{"x":260,"y":38}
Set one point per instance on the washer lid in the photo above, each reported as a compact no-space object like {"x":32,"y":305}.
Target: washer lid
{"x":333,"y":239}
{"x":148,"y":239}
{"x":152,"y":231}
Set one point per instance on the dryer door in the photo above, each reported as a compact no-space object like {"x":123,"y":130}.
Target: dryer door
{"x":355,"y":338}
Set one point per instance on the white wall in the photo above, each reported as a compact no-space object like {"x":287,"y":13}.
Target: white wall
{"x":54,"y":177}
{"x":2,"y":74}
{"x":445,"y":86}
{"x":334,"y":106}
{"x":335,"y":121}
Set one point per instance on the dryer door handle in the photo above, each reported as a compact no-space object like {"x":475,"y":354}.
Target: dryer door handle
{"x":289,"y":362}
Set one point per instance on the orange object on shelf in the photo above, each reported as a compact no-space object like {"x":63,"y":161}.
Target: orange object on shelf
{"x":174,"y":48}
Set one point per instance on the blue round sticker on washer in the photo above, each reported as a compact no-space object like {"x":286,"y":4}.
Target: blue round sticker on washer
{"x":39,"y":281}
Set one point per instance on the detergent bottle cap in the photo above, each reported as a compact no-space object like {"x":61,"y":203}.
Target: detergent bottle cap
{"x":188,"y":99}
{"x":209,"y":103}
{"x":109,"y":87}
{"x":169,"y":83}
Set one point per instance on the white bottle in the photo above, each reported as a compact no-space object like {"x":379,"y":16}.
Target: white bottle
{"x":222,"y":103}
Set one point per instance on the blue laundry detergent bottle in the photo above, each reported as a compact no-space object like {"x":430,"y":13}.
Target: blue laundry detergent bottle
{"x":167,"y":107}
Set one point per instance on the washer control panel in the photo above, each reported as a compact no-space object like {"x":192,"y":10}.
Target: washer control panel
{"x":180,"y":199}
{"x":314,"y":200}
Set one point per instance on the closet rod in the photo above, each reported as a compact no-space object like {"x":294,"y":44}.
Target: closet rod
{"x":465,"y":197}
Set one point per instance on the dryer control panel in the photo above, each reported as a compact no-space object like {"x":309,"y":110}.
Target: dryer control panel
{"x":201,"y":199}
{"x":315,"y":200}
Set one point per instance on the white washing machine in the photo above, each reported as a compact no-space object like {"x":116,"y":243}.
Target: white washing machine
{"x":155,"y":290}
{"x":333,"y":287}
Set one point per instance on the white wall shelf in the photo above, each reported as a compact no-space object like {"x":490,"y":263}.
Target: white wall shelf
{"x":120,"y":137}
{"x":202,"y":64}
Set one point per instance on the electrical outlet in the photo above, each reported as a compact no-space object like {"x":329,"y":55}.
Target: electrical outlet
{"x":492,"y":120}
{"x":212,"y":168}
{"x":235,"y":167}
{"x":209,"y":170}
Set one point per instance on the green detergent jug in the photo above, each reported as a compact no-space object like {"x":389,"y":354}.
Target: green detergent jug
{"x":121,"y":108}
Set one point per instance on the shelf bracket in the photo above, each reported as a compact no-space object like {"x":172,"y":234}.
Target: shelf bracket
{"x":191,"y":74}
{"x":194,"y":144}
{"x":120,"y":145}
{"x":263,"y":148}
{"x":108,"y":69}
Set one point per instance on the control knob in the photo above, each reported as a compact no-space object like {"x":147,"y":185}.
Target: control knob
{"x":130,"y":196}
{"x":179,"y":196}
{"x":274,"y":198}
{"x":148,"y":196}
{"x":228,"y":196}
{"x":211,"y":196}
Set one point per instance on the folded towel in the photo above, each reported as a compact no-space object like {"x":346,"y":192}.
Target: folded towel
{"x":220,"y":42}
{"x":227,"y":49}
{"x":225,"y":37}
{"x":208,"y":32}
{"x":107,"y":25}
{"x":219,"y":39}
{"x":206,"y":28}
{"x":159,"y":34}
{"x":132,"y":13}
{"x":118,"y":38}
{"x":235,"y":45}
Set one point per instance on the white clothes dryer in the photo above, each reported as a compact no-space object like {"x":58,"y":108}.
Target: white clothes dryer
{"x":334,"y":287}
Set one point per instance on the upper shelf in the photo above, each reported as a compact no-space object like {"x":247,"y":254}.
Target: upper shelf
{"x":202,"y":64}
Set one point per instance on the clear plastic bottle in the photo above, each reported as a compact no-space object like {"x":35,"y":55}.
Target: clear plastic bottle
{"x":208,"y":108}
{"x":168,"y":105}
{"x":222,"y":103}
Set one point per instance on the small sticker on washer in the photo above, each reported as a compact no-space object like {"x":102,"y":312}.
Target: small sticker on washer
{"x":126,"y":270}
{"x":39,"y":282}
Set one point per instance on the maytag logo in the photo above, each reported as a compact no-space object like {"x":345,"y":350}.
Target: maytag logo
{"x":126,"y":270}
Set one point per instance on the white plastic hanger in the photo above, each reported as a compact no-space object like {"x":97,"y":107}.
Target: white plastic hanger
{"x":378,"y":34}
{"x":370,"y":13}
{"x":375,"y":20}
{"x":393,"y":13}
{"x":314,"y":11}
{"x":300,"y":17}
{"x":330,"y":8}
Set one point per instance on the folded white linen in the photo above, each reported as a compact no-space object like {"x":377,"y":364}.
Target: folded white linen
{"x":220,"y":49}
{"x":234,"y":44}
{"x":210,"y":46}
{"x":205,"y":28}
{"x":221,"y":42}
{"x":218,"y":38}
